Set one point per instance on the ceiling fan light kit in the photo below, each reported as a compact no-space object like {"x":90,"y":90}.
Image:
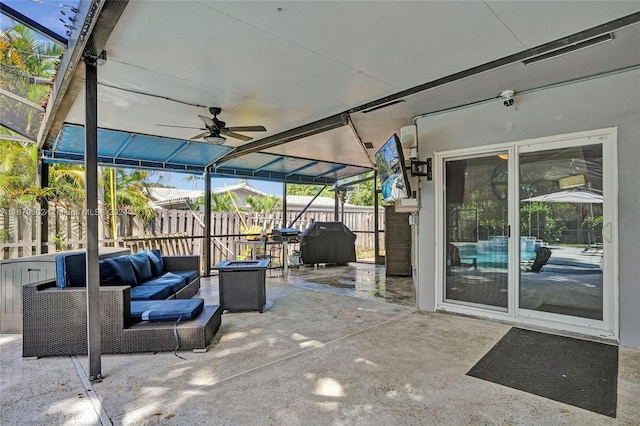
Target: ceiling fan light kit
{"x":216,"y":128}
{"x":215,"y":140}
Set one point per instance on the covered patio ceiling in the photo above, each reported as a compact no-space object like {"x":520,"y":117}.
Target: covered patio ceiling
{"x":326,"y":79}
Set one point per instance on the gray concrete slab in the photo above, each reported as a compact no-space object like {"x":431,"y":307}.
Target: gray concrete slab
{"x":330,"y":350}
{"x":46,"y":391}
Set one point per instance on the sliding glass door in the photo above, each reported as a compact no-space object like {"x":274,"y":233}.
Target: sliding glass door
{"x":528,"y":232}
{"x":561,"y":241}
{"x":477,"y":230}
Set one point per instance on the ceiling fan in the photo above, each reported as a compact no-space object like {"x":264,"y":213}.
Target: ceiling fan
{"x":216,"y":130}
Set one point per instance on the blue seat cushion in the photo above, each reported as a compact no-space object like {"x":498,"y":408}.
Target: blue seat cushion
{"x":141,"y":266}
{"x":188,"y":275}
{"x":71,"y":270}
{"x":173,"y":281}
{"x":117,"y":271}
{"x":155,"y":261}
{"x":150,"y":292}
{"x":166,"y":310}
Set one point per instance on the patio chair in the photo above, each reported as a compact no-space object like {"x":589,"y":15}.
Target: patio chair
{"x":542,"y":257}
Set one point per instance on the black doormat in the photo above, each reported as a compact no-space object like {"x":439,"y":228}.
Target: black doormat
{"x":576,"y":372}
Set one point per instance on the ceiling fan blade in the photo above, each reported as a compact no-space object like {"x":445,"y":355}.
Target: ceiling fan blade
{"x":207,"y":121}
{"x":235,"y":135}
{"x":247,"y":129}
{"x":180,"y":127}
{"x":201,"y":135}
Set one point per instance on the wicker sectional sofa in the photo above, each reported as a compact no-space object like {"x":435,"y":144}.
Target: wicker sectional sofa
{"x":55,"y":311}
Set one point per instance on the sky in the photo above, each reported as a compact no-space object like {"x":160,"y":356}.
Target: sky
{"x":45,"y":12}
{"x":178,"y":180}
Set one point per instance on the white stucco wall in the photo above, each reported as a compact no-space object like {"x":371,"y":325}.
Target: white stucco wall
{"x":608,"y":101}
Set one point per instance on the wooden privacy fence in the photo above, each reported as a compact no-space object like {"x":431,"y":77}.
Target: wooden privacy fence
{"x":172,"y":231}
{"x":171,"y":245}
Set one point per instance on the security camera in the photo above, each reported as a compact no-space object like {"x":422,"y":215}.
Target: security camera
{"x":507,"y":95}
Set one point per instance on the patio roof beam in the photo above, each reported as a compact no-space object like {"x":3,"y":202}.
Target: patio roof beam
{"x":95,"y":21}
{"x":75,"y":157}
{"x":332,"y":170}
{"x":280,"y":177}
{"x":299,"y":169}
{"x":310,"y":129}
{"x":516,"y":57}
{"x":124,"y":145}
{"x":269,"y":164}
{"x":176,"y":152}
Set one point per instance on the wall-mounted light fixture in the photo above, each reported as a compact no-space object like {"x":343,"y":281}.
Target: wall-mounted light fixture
{"x":569,"y":49}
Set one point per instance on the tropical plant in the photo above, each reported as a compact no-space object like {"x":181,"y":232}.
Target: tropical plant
{"x":223,"y":202}
{"x":304,"y":189}
{"x":362,"y":194}
{"x":262,"y":204}
{"x":130,"y":193}
{"x":17,"y":170}
{"x":24,"y":56}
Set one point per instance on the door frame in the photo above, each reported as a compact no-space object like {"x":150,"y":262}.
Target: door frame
{"x":608,"y":328}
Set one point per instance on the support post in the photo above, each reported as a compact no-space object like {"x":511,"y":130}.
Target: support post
{"x":284,"y":204}
{"x":376,"y":224}
{"x":91,"y":192}
{"x":336,"y":207}
{"x":207,"y":224}
{"x":43,"y":229}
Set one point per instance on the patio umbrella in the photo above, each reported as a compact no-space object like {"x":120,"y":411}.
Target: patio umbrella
{"x":568,"y":197}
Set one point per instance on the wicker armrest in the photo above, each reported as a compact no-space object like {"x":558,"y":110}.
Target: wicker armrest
{"x":55,"y":320}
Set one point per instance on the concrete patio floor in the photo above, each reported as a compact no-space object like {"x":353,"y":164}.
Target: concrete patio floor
{"x":336,"y":346}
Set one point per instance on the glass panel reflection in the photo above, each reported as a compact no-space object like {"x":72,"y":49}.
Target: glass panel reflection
{"x":561,"y":216}
{"x":477,"y":228}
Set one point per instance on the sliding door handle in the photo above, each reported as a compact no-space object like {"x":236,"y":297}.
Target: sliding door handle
{"x":607,"y":232}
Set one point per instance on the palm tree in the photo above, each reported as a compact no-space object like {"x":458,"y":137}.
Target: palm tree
{"x":219,"y":202}
{"x":263,"y":204}
{"x":17,"y":170}
{"x":24,"y":56}
{"x":130,"y":191}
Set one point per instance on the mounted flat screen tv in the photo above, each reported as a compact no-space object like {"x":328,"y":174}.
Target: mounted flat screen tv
{"x":391,"y":171}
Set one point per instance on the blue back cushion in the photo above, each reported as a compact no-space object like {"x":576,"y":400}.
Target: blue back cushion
{"x":141,"y":266}
{"x":155,"y":260}
{"x":117,"y":271}
{"x":71,"y":270}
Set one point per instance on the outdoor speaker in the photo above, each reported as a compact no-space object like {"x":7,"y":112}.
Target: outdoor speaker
{"x":409,"y":136}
